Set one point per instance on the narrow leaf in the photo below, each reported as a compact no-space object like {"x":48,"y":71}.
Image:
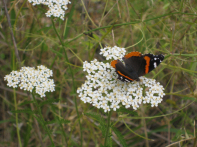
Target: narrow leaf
{"x":124,"y":110}
{"x":50,"y":122}
{"x":64,"y":121}
{"x":23,"y":111}
{"x":49,"y":102}
{"x":120,"y":137}
{"x":26,"y":102}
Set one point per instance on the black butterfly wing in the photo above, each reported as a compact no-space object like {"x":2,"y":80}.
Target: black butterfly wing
{"x":123,"y":73}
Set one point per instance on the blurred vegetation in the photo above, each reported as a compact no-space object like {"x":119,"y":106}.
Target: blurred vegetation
{"x":152,"y":26}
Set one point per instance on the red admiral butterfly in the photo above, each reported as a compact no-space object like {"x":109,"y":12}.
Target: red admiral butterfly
{"x":136,"y":65}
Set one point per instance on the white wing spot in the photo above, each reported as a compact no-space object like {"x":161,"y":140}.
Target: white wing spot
{"x":155,"y":64}
{"x":127,"y":80}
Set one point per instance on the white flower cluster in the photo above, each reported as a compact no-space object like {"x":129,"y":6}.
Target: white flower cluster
{"x":113,"y":52}
{"x":103,"y":90}
{"x":56,"y":7}
{"x":29,"y":78}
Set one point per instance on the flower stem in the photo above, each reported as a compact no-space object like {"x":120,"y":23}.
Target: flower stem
{"x":108,"y":127}
{"x":17,"y":128}
{"x":42,"y":119}
{"x":195,"y":140}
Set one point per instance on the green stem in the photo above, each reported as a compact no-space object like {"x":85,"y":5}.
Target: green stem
{"x":108,"y":127}
{"x":88,"y":14}
{"x":42,"y":119}
{"x":195,"y":140}
{"x":72,"y":76}
{"x":103,"y":13}
{"x":15,"y":101}
{"x":17,"y":128}
{"x":59,"y":118}
{"x":62,"y":128}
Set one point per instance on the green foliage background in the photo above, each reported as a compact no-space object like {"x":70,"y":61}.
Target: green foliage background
{"x":153,"y":26}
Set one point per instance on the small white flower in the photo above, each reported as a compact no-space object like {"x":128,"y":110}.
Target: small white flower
{"x":106,"y":108}
{"x":127,"y":104}
{"x":96,"y":104}
{"x":103,"y":104}
{"x":114,"y":106}
{"x":138,"y":100}
{"x":135,"y":106}
{"x":146,"y":99}
{"x":123,"y":100}
{"x":154,"y":103}
{"x":29,"y":78}
{"x":110,"y":97}
{"x":161,"y":93}
{"x":86,"y":99}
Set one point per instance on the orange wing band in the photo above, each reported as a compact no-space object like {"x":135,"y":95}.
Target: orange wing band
{"x":138,"y":54}
{"x":147,"y":64}
{"x":113,"y":63}
{"x":125,"y":76}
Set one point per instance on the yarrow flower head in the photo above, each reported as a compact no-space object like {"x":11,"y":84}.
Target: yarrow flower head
{"x":29,"y":78}
{"x":103,"y":90}
{"x":56,"y":7}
